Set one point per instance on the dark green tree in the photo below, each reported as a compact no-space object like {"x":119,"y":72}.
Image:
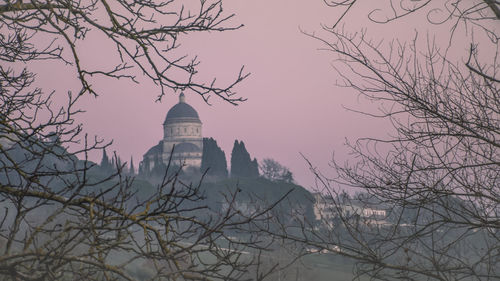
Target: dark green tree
{"x":58,"y":221}
{"x":213,"y":159}
{"x":241,"y":162}
{"x":274,"y":171}
{"x":106,"y":165}
{"x":237,"y":160}
{"x":254,"y":168}
{"x":132,"y":168}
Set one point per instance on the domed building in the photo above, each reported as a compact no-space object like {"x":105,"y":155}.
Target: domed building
{"x":182,"y":139}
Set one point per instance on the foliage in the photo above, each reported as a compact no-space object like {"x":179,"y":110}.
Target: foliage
{"x":440,"y":168}
{"x":138,"y":37}
{"x":274,"y":171}
{"x":104,"y":227}
{"x":256,"y":193}
{"x":106,"y":165}
{"x":214,"y":159}
{"x":63,"y":218}
{"x":241,"y":163}
{"x":132,"y":168}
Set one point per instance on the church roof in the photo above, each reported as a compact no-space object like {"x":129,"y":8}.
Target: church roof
{"x":186,"y":147}
{"x":182,"y":147}
{"x":157,"y":149}
{"x":182,"y":110}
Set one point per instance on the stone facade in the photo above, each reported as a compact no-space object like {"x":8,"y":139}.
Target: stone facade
{"x":182,"y":139}
{"x":326,"y":210}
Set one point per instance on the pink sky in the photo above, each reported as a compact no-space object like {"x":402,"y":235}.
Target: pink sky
{"x":293,"y":104}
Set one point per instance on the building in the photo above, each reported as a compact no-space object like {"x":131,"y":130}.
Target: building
{"x":182,"y":141}
{"x":326,"y":210}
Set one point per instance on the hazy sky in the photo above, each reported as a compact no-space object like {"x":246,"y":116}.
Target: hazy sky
{"x":293,"y":104}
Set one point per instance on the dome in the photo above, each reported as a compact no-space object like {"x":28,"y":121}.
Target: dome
{"x":157,"y":149}
{"x":182,"y":110}
{"x":186,"y":147}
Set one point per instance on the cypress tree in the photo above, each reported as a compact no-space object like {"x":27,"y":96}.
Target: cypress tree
{"x":241,"y":163}
{"x":132,"y":169}
{"x":254,"y":169}
{"x":105,"y":159}
{"x":236,"y":160}
{"x":246,"y":161}
{"x":105,"y":163}
{"x":213,"y":159}
{"x":221,"y":163}
{"x":119,"y":164}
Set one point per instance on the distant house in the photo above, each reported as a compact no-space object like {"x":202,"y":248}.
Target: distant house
{"x":327,"y":210}
{"x":324,"y":208}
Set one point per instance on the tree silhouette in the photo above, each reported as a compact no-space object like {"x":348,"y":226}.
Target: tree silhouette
{"x":132,"y":168}
{"x":438,"y":172}
{"x":213,"y":159}
{"x":274,"y":171}
{"x":241,"y":163}
{"x":60,"y":219}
